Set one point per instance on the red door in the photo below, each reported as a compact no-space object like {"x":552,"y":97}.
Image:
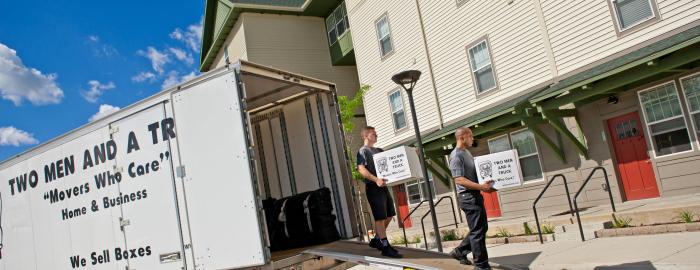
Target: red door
{"x":402,"y":202}
{"x":633,"y":162}
{"x":493,"y":208}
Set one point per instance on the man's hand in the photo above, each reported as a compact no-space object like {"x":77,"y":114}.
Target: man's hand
{"x":380,"y":182}
{"x":488,"y":186}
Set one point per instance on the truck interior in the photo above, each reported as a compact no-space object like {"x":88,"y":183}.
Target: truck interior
{"x":298,"y":147}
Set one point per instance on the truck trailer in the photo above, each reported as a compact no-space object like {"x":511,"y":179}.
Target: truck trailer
{"x":178,"y":180}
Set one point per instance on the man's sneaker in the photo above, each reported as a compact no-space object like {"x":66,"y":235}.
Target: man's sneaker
{"x":482,"y":268}
{"x":392,"y":248}
{"x":375,"y":243}
{"x":462,"y":259}
{"x":389,"y":252}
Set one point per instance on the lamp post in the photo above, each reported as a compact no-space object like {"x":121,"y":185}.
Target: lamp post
{"x":407,"y":79}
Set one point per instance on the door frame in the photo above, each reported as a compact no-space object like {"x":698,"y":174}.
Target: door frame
{"x":613,"y":156}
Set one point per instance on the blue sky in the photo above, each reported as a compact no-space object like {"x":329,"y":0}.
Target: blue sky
{"x":64,"y":63}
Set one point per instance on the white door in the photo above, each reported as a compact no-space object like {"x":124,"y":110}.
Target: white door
{"x":223,"y":215}
{"x":147,"y":191}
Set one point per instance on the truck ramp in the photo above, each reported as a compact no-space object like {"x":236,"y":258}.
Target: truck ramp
{"x":361,"y":253}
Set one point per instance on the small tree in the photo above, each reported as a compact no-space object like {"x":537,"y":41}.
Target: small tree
{"x":347,"y":114}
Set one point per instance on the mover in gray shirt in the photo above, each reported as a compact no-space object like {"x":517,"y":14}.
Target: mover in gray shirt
{"x":470,"y":201}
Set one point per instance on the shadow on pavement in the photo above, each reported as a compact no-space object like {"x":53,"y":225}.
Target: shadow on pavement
{"x":646,"y":265}
{"x":520,"y":261}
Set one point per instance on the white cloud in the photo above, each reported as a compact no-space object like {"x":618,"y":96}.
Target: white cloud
{"x":105,"y":109}
{"x":96,"y":90}
{"x":100,"y":49}
{"x":192,"y":37}
{"x":182,"y":55}
{"x":174,"y":78}
{"x":18,"y":82}
{"x":15,"y":137}
{"x":158,"y":58}
{"x":144,"y":76}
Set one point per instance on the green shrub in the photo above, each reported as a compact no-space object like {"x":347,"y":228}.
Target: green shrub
{"x":449,"y":235}
{"x":686,"y":216}
{"x":621,"y":222}
{"x":416,"y":239}
{"x":547,"y":228}
{"x":503,"y":232}
{"x":398,"y":240}
{"x":526,"y":229}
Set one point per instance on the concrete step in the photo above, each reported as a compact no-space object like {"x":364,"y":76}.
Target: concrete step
{"x":571,"y":232}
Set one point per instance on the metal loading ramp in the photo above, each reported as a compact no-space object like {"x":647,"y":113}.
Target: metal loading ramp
{"x":361,"y":253}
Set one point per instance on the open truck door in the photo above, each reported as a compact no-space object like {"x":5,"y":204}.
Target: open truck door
{"x":222,"y":209}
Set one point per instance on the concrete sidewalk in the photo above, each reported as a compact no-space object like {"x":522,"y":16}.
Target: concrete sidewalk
{"x":660,"y":251}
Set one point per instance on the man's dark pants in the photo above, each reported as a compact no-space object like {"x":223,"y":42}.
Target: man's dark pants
{"x":472,"y":203}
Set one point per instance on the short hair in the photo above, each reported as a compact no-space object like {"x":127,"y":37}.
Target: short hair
{"x":461,"y":131}
{"x":366,"y":130}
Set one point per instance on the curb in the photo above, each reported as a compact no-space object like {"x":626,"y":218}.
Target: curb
{"x":651,"y":229}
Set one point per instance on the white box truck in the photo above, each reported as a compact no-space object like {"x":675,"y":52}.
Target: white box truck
{"x":175,"y":181}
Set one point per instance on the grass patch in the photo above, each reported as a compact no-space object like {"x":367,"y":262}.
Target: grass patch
{"x":547,"y":228}
{"x":621,"y":222}
{"x":449,"y":235}
{"x":686,"y":216}
{"x":503,"y":232}
{"x":527,"y":229}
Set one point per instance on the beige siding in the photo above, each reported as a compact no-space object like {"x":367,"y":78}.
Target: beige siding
{"x":582,"y":32}
{"x":516,"y":44}
{"x":296,"y":44}
{"x":376,"y":72}
{"x":236,"y":45}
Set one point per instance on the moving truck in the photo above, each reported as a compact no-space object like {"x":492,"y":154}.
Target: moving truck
{"x":176,"y":181}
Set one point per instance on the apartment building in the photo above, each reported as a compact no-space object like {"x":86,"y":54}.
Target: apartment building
{"x":572,"y":85}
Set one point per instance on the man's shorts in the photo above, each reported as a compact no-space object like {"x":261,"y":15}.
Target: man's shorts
{"x":380,"y":201}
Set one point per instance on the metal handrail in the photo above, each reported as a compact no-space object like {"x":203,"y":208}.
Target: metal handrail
{"x":607,"y":182}
{"x":534,"y":205}
{"x":403,"y":226}
{"x":422,"y":225}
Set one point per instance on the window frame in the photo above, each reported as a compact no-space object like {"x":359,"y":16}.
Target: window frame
{"x":391,"y":110}
{"x":687,"y":106}
{"x":472,"y":72}
{"x":539,"y":156}
{"x":383,"y":55}
{"x":335,"y":24}
{"x":420,"y":182}
{"x":509,"y":135}
{"x":647,"y":124}
{"x":637,"y":26}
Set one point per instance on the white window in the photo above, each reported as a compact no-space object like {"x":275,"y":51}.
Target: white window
{"x":481,"y":67}
{"x":629,"y":13}
{"x":691,"y":88}
{"x":415,"y":190}
{"x":665,"y":120}
{"x":384,"y":36}
{"x":524,"y":142}
{"x":337,"y":23}
{"x":397,"y":111}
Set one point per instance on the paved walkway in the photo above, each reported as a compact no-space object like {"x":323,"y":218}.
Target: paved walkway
{"x":661,"y":251}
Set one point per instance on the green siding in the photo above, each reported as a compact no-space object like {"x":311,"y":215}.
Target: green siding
{"x":221,"y":14}
{"x":342,"y":52}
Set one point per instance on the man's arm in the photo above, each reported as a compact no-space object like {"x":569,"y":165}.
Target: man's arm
{"x":469,"y":184}
{"x":369,"y":176}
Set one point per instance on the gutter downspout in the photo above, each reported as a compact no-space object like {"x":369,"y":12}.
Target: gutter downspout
{"x":430,"y":65}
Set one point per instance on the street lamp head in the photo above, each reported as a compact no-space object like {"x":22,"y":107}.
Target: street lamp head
{"x":407,"y":79}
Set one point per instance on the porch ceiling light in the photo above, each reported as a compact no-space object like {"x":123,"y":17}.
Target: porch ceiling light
{"x":613,"y":99}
